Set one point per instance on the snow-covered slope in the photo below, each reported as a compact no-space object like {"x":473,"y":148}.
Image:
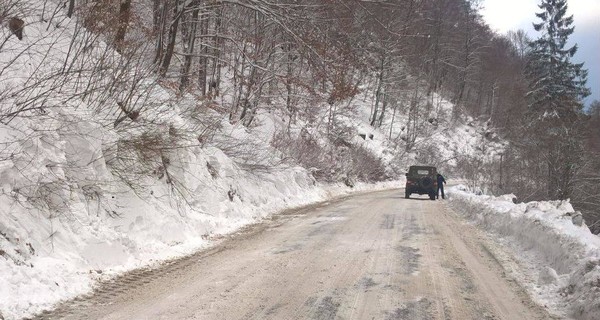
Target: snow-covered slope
{"x":84,"y":197}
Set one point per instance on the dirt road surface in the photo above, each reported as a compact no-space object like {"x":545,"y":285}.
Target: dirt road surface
{"x":371,"y":256}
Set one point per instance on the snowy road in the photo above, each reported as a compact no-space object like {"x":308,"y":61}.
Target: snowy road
{"x":372,"y":256}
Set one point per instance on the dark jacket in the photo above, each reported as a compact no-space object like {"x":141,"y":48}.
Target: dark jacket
{"x":440,"y":180}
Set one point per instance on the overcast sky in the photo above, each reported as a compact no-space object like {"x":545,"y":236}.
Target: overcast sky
{"x":505,"y":15}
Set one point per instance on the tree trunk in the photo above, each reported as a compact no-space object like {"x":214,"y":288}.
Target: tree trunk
{"x":159,"y":28}
{"x":553,"y":174}
{"x":215,"y":79}
{"x":190,"y":41}
{"x":289,"y":100}
{"x":124,"y":14}
{"x":393,"y":119}
{"x":71,"y":8}
{"x":172,"y":38}
{"x":413,"y":120}
{"x":383,"y":108}
{"x":378,"y":94}
{"x":203,"y":63}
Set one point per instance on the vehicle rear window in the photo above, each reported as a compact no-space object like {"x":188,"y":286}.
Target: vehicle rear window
{"x":420,"y":171}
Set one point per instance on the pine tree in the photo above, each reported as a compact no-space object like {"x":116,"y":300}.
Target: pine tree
{"x":556,"y":90}
{"x":557,"y":84}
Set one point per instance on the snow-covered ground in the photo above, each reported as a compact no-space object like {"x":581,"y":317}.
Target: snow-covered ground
{"x":67,"y":219}
{"x":558,"y":259}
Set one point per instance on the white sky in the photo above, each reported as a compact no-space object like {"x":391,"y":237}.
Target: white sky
{"x":505,"y":15}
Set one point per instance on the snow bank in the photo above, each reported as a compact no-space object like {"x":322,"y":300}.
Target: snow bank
{"x":46,"y":259}
{"x":48,"y":256}
{"x":566,"y":257}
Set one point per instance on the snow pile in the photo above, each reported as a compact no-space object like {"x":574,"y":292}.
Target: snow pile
{"x":562,"y":259}
{"x":50,"y":256}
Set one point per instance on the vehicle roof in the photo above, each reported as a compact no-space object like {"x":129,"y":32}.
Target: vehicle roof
{"x":422,"y":167}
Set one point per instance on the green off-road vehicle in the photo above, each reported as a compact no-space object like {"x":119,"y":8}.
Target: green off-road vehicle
{"x":421,"y":180}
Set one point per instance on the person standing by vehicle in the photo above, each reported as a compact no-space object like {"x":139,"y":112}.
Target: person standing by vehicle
{"x":440,"y":186}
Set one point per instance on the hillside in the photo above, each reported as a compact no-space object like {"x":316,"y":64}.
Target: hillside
{"x":106,"y":167}
{"x":136,"y":132}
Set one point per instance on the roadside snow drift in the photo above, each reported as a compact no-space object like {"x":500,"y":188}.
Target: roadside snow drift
{"x":547,"y":241}
{"x":45,"y":259}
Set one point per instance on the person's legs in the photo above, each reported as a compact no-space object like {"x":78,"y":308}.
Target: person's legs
{"x":437,"y":193}
{"x":442,"y":189}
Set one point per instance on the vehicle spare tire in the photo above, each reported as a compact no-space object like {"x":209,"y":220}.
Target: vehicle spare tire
{"x":426,"y":182}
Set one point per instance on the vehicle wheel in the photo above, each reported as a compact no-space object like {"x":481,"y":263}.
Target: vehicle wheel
{"x":407,"y":195}
{"x":431,"y":196}
{"x":426,"y":183}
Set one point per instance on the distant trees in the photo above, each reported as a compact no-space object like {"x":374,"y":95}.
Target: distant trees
{"x":556,"y":91}
{"x":593,"y":137}
{"x":586,"y":195}
{"x":401,"y":51}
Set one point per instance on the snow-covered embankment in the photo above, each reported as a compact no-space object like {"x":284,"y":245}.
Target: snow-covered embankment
{"x":560,"y":261}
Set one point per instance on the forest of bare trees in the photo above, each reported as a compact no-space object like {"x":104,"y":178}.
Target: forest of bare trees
{"x":305,"y":59}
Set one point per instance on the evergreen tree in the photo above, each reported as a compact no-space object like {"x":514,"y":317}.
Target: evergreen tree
{"x":557,"y":84}
{"x":556,"y":90}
